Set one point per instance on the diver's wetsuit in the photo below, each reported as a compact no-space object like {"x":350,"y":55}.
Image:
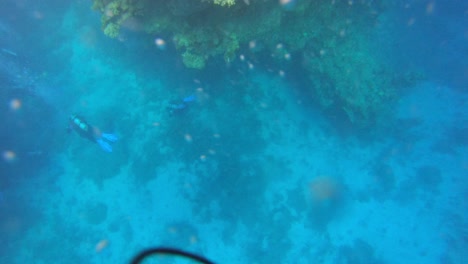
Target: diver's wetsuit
{"x":182,"y":105}
{"x":90,"y":132}
{"x":84,"y":129}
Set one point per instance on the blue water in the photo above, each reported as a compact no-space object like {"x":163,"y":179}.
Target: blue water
{"x":238,"y":162}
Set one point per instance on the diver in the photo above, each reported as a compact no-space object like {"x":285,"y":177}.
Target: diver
{"x":182,"y":105}
{"x":91,"y":133}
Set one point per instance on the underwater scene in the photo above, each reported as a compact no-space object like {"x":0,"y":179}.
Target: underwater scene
{"x":234,"y":131}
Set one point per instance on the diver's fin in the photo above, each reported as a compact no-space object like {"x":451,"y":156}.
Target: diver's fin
{"x":104,"y":145}
{"x":109,"y":137}
{"x":190,"y":98}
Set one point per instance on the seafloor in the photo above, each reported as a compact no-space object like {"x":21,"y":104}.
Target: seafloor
{"x":253,"y":172}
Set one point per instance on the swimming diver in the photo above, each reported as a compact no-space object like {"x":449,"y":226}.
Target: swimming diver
{"x":180,"y":106}
{"x":91,"y":133}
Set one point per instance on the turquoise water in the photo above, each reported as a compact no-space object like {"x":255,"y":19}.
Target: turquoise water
{"x":253,"y":170}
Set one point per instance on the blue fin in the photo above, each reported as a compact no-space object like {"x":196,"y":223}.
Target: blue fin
{"x":190,"y":98}
{"x":104,"y":145}
{"x":109,"y":137}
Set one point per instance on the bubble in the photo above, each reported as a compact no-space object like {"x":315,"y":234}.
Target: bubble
{"x":38,"y":14}
{"x":430,"y":8}
{"x":160,"y":43}
{"x":108,"y":12}
{"x":288,"y":4}
{"x":101,"y":245}
{"x":188,"y":138}
{"x":122,"y":38}
{"x":15,"y":104}
{"x":9,"y":156}
{"x":252,"y":44}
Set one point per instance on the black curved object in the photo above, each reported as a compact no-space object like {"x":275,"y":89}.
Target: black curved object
{"x":168,"y":251}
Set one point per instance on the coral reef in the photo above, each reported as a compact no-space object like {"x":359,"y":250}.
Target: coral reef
{"x":344,"y":72}
{"x":331,"y":37}
{"x":116,"y":12}
{"x":224,"y":2}
{"x":349,"y":77}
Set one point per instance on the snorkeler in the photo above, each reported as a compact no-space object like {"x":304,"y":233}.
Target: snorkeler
{"x":91,"y":133}
{"x":180,"y":106}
